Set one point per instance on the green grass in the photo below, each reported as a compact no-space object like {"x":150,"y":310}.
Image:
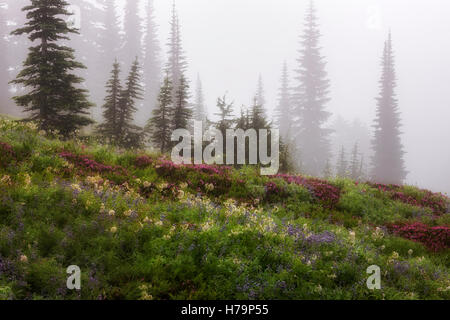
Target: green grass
{"x":208,"y":236}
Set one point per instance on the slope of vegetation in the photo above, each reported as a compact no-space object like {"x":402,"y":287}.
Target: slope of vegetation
{"x":140,"y":227}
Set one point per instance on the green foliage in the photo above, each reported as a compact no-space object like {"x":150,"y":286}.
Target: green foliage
{"x":55,"y":101}
{"x":156,"y":237}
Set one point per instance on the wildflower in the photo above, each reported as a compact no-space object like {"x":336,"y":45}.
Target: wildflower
{"x":27,"y":179}
{"x":352,"y":235}
{"x":6,"y":179}
{"x":111,"y":212}
{"x":184,"y":185}
{"x":75,"y":187}
{"x":146,"y":184}
{"x":138,"y":181}
{"x":383,"y":247}
{"x":23,"y":258}
{"x":318,"y":289}
{"x":159,"y":223}
{"x":102,"y":208}
{"x":395,"y":255}
{"x":209,"y":187}
{"x":113,"y":229}
{"x":128,"y":213}
{"x":410,"y":252}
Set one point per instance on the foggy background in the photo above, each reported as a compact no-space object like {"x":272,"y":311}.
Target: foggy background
{"x":230,"y":43}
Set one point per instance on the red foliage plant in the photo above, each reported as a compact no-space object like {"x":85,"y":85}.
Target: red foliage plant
{"x":321,"y":190}
{"x":86,"y":164}
{"x":435,"y":201}
{"x":435,"y":238}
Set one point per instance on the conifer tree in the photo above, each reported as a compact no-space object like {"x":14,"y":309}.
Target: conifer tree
{"x":133,"y":31}
{"x":342,"y":165}
{"x":328,"y":171}
{"x":260,"y":94}
{"x":182,"y":112}
{"x":225,"y":115}
{"x":200,"y":113}
{"x":109,"y":36}
{"x":109,"y":128}
{"x":159,"y":125}
{"x":130,"y":134}
{"x":176,"y":65}
{"x":4,"y":62}
{"x":283,"y":112}
{"x":258,"y":116}
{"x":152,"y":63}
{"x":55,"y":100}
{"x":355,"y":163}
{"x":310,"y":99}
{"x":387,"y":163}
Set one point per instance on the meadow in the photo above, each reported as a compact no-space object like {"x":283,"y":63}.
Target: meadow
{"x":141,"y":227}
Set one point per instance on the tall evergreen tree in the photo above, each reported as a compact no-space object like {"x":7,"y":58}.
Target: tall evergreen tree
{"x":200,"y":113}
{"x":109,"y":38}
{"x":159,"y":125}
{"x":5,"y":103}
{"x":225,"y":115}
{"x":258,"y":116}
{"x":16,"y":51}
{"x":109,"y":128}
{"x":310,"y":99}
{"x":342,"y":164}
{"x":130,"y":134}
{"x":283,"y":115}
{"x":182,"y":112}
{"x":133,"y":31}
{"x":152,"y":63}
{"x":387,"y":163}
{"x":87,"y":51}
{"x":327,"y":171}
{"x":55,"y":101}
{"x":177,"y":64}
{"x":260,"y":94}
{"x":355,"y":163}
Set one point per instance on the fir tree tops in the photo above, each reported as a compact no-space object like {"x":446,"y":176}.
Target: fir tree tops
{"x":54,"y":99}
{"x":119,"y":109}
{"x":387,"y":162}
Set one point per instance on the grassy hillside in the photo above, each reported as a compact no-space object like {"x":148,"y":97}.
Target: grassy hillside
{"x":140,"y":227}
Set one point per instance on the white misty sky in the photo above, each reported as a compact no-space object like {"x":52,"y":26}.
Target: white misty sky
{"x":230,"y":42}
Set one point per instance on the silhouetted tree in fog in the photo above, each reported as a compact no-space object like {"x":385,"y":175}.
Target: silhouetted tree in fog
{"x":159,"y":126}
{"x":176,"y":65}
{"x":182,"y":112}
{"x":55,"y":100}
{"x":260,"y":94}
{"x":152,"y":63}
{"x":109,"y":129}
{"x":200,"y":113}
{"x":283,"y":112}
{"x":310,"y":99}
{"x":132,"y":46}
{"x":342,"y":164}
{"x":130,"y":134}
{"x":5,"y":102}
{"x":387,"y":162}
{"x":16,"y":50}
{"x":355,"y":163}
{"x":109,"y":39}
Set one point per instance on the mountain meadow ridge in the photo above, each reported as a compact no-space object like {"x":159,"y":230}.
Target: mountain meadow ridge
{"x":141,"y":227}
